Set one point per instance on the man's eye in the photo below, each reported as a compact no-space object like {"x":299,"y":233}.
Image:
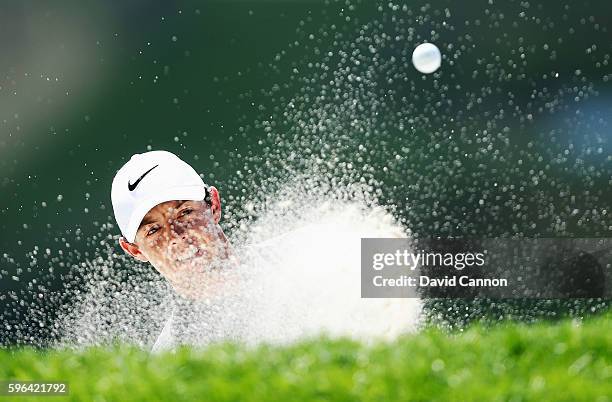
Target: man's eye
{"x":186,"y":211}
{"x":152,"y":231}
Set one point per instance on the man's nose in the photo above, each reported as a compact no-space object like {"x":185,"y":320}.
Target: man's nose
{"x":178,"y":231}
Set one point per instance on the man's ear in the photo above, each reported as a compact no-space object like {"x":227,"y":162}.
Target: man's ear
{"x":132,"y":249}
{"x":215,"y":203}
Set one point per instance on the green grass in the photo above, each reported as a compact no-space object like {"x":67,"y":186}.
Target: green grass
{"x":563,"y":361}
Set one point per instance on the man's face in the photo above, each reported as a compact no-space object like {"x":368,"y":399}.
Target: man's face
{"x":183,"y":241}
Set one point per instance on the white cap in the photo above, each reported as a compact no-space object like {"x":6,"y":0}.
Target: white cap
{"x":147,"y":180}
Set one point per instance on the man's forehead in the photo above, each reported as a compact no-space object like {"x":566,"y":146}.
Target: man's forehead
{"x":160,"y":210}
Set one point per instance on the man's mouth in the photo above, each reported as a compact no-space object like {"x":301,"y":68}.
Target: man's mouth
{"x":191,"y":254}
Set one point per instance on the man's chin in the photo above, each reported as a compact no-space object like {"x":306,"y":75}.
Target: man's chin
{"x":202,"y":280}
{"x":205,"y":290}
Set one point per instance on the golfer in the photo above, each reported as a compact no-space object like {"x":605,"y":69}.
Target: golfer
{"x":170,"y":218}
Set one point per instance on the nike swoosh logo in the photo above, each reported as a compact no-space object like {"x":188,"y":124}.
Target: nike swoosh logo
{"x":132,"y":187}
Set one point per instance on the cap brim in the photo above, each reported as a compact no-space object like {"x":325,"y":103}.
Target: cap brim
{"x":179,"y":193}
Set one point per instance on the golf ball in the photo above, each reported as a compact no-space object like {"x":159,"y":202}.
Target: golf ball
{"x":426,"y":58}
